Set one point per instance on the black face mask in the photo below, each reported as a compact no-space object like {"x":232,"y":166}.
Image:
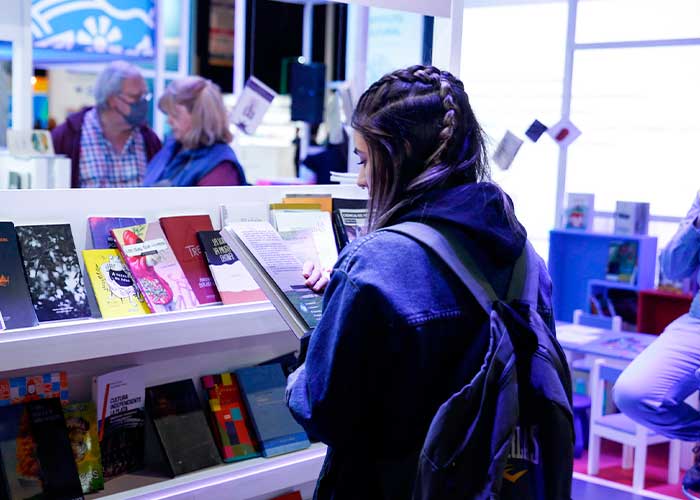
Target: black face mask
{"x":137,"y":112}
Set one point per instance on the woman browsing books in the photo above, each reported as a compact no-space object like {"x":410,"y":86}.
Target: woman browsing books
{"x":399,"y":333}
{"x":198,"y":153}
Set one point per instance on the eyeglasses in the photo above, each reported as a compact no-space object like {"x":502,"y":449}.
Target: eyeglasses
{"x":141,"y":97}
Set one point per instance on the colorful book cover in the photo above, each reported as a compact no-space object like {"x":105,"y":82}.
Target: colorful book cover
{"x":17,"y":390}
{"x":16,"y":308}
{"x":119,"y":398}
{"x":117,"y":295}
{"x":229,"y":419}
{"x":622,"y":261}
{"x":154,"y":267}
{"x":101,"y":229}
{"x":53,"y":272}
{"x":35,"y":455}
{"x":324,"y":201}
{"x":181,"y":426}
{"x":234,"y":282}
{"x":81,"y":421}
{"x":263,"y":389}
{"x":579,"y":211}
{"x":182,"y":235}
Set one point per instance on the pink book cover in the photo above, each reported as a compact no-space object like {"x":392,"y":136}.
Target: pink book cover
{"x":154,"y":267}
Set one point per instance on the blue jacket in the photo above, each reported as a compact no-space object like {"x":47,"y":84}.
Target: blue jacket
{"x":399,"y":336}
{"x":681,"y":257}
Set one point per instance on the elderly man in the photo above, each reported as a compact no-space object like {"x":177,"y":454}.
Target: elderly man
{"x":110,"y":145}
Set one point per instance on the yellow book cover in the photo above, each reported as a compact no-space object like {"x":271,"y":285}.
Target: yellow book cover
{"x":325,"y":202}
{"x":116,"y":293}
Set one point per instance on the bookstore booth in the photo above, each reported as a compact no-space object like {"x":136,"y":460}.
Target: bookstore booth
{"x":148,"y":334}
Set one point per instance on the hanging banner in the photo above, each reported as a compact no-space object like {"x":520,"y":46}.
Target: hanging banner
{"x":120,"y":28}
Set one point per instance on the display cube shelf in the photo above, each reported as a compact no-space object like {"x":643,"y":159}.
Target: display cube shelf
{"x":657,"y":308}
{"x":61,"y":342}
{"x":577,"y":257}
{"x":258,"y":477}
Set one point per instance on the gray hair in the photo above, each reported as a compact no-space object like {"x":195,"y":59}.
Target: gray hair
{"x":109,"y":82}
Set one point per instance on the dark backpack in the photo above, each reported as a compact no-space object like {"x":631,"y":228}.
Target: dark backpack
{"x":508,"y":434}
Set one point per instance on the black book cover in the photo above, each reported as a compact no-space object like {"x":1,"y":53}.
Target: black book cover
{"x":59,"y":474}
{"x":349,"y":220}
{"x":16,"y":309}
{"x":53,"y":272}
{"x":181,"y":426}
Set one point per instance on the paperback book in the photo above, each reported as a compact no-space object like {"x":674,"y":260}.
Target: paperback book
{"x":263,"y":389}
{"x":631,"y":217}
{"x":324,"y":201}
{"x":622,"y":261}
{"x":119,"y":399}
{"x":234,"y":282}
{"x":579,"y":211}
{"x":154,"y":267}
{"x":116,"y":293}
{"x":228,"y":417}
{"x":53,"y":272}
{"x":16,"y":309}
{"x":181,"y":427}
{"x":350,"y":217}
{"x":277,"y":271}
{"x":81,"y":422}
{"x":101,"y":229}
{"x":17,"y":390}
{"x":182,"y":236}
{"x":244,"y":212}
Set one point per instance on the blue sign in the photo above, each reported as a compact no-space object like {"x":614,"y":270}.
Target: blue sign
{"x":101,"y":28}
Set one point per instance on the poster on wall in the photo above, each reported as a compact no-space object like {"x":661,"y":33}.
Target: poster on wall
{"x":120,"y":28}
{"x":221,"y":40}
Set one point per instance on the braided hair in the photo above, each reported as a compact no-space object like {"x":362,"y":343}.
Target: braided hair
{"x":421,"y":134}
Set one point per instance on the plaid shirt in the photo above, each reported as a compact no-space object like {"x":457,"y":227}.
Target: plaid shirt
{"x":101,"y":166}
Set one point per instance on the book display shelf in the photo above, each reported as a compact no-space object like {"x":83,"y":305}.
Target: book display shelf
{"x":578,"y":264}
{"x":170,"y":346}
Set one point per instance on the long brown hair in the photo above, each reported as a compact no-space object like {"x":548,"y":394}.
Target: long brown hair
{"x":421,"y":134}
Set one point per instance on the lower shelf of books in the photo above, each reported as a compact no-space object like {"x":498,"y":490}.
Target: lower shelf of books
{"x":249,"y":479}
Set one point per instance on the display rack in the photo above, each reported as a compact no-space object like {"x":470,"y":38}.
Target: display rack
{"x":172,"y":346}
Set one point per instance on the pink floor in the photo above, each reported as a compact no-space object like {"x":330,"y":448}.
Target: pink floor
{"x":611,"y":468}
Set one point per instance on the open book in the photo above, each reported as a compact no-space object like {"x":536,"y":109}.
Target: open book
{"x":277,"y":272}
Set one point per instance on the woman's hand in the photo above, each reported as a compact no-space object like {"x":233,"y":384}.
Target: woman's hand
{"x":316,"y":279}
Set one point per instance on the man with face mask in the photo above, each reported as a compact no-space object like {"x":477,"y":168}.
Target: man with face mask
{"x":110,"y":144}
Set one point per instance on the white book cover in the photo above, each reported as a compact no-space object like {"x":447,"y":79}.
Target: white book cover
{"x":631,"y":217}
{"x":118,"y":392}
{"x":244,"y":212}
{"x":579,"y":211}
{"x":309,"y":234}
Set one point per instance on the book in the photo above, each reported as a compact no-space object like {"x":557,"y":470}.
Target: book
{"x":244,"y":212}
{"x":579,"y":211}
{"x":16,"y":308}
{"x":116,"y":293}
{"x":81,"y":422}
{"x":181,"y":233}
{"x":154,"y":267}
{"x":36,"y":459}
{"x":308,"y":231}
{"x":234,"y":282}
{"x":350,"y":218}
{"x":101,"y":229}
{"x":119,"y":399}
{"x":18,"y":390}
{"x":294,"y":495}
{"x":622,"y":261}
{"x":276,"y":430}
{"x":229,"y":420}
{"x":59,"y":473}
{"x":631,"y":217}
{"x":277,"y":271}
{"x":324,"y":201}
{"x":53,"y":272}
{"x":181,"y":426}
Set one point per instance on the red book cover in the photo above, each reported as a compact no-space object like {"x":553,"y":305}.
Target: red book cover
{"x":181,"y":232}
{"x":228,"y":418}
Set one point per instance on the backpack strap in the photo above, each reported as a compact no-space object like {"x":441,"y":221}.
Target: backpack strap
{"x":455,"y":256}
{"x":525,"y":281}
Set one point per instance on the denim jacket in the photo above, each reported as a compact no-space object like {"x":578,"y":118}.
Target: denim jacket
{"x":399,"y":335}
{"x":681,"y":257}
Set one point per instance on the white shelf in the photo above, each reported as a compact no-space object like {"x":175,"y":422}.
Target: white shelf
{"x":70,"y":341}
{"x":241,"y":480}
